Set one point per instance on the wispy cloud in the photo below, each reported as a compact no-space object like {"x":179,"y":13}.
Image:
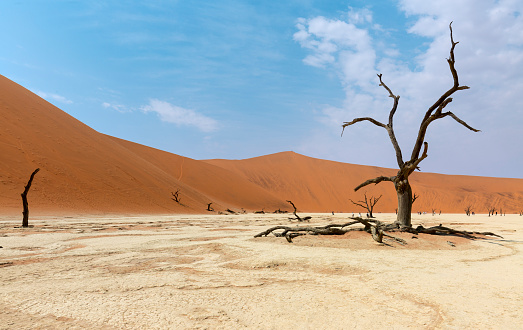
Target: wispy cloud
{"x":180,"y":116}
{"x":53,"y":97}
{"x":117,"y":107}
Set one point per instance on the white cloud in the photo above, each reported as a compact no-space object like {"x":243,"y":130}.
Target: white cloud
{"x":180,"y":116}
{"x":332,"y":42}
{"x":489,"y":59}
{"x":54,"y":97}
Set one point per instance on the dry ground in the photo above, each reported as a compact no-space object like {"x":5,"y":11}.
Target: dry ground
{"x":176,"y":272}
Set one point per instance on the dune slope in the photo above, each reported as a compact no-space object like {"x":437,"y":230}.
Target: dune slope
{"x":86,"y":171}
{"x":317,"y":185}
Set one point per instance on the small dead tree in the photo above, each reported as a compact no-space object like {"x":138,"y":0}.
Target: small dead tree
{"x":25,"y":212}
{"x":491,"y":210}
{"x":176,"y":196}
{"x":209,"y":208}
{"x":367,"y":203}
{"x":300,"y":219}
{"x":406,"y":168}
{"x":468,"y":210}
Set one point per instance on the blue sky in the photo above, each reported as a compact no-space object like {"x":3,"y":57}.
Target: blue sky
{"x":239,"y":79}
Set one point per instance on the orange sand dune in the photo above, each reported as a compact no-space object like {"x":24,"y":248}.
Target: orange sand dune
{"x":83,"y":171}
{"x":317,"y":185}
{"x":86,"y":171}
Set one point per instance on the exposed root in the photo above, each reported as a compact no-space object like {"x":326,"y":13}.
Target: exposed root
{"x":376,"y":228}
{"x":372,"y":226}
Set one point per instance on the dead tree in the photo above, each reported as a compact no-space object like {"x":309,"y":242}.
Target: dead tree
{"x":176,"y":196}
{"x":300,"y":219}
{"x":468,"y":210}
{"x":25,"y":212}
{"x":491,"y":210}
{"x":434,"y":112}
{"x":367,"y":203}
{"x":209,"y":208}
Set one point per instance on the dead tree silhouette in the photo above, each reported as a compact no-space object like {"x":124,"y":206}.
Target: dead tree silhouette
{"x":367,"y":204}
{"x":25,"y":212}
{"x":406,"y":168}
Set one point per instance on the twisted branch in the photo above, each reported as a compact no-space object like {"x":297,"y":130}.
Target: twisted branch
{"x":375,"y":181}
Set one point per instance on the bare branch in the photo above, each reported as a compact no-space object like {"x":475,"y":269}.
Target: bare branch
{"x":300,"y":219}
{"x":443,"y":101}
{"x":375,"y":181}
{"x":414,"y":197}
{"x":423,"y":156}
{"x":459,"y":121}
{"x":357,"y":120}
{"x":388,"y":127}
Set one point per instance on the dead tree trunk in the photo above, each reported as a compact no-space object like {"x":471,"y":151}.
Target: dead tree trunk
{"x":25,"y":212}
{"x":406,"y":168}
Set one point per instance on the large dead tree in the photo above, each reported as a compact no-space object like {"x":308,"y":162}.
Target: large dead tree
{"x":434,"y":112}
{"x":368,"y":203}
{"x":25,"y":212}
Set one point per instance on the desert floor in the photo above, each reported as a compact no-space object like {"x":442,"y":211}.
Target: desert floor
{"x":176,"y":272}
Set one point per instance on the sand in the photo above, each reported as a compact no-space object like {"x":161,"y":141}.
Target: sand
{"x":195,"y":271}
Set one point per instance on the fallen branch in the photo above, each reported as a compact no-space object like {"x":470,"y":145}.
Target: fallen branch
{"x":376,"y":228}
{"x":372,"y":226}
{"x":300,"y":219}
{"x":440,"y":230}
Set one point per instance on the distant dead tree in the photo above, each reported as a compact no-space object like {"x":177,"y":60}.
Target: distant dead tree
{"x":406,"y":168}
{"x":521,"y":213}
{"x":259,"y":212}
{"x":468,"y":210}
{"x":176,"y":196}
{"x":491,"y":210}
{"x":231,"y":211}
{"x":25,"y":212}
{"x":433,"y":212}
{"x":209,"y":208}
{"x":300,"y":219}
{"x":278,"y":211}
{"x":367,"y":203}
